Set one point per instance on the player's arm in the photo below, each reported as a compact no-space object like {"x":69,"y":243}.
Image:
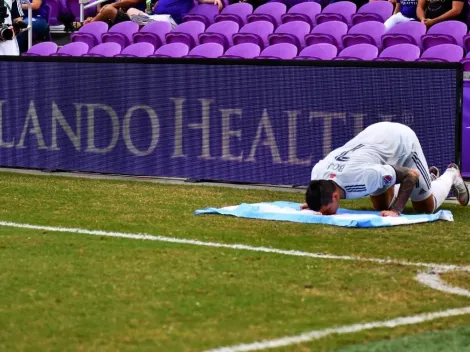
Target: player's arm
{"x":407,"y":179}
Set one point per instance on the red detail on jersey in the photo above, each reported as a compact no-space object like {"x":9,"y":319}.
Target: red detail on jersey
{"x":387,"y":179}
{"x":332,"y":175}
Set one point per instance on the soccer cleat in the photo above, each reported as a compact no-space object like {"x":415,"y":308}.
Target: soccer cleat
{"x":434,"y":172}
{"x":459,"y":187}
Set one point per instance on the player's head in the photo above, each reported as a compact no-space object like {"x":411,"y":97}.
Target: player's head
{"x":323,"y":196}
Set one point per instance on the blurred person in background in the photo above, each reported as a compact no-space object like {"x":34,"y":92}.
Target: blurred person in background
{"x":39,"y":23}
{"x":405,"y":10}
{"x":431,"y":12}
{"x":15,"y":14}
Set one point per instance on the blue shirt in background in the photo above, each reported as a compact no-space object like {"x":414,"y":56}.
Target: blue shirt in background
{"x":408,"y":8}
{"x":43,"y":11}
{"x":176,"y":8}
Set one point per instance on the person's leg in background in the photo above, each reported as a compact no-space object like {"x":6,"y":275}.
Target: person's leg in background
{"x":40,"y":33}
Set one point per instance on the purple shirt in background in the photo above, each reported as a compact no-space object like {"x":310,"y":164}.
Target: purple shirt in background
{"x":43,"y":11}
{"x":176,"y":8}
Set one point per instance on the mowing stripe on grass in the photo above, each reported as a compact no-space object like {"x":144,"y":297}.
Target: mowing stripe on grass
{"x":347,"y":329}
{"x":147,"y":237}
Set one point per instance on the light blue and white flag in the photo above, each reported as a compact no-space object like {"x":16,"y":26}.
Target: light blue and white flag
{"x":289,"y":211}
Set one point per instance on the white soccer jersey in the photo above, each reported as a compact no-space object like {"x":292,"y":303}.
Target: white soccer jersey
{"x":363,"y":165}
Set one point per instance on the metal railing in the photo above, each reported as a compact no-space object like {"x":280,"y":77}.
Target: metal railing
{"x":83,"y":7}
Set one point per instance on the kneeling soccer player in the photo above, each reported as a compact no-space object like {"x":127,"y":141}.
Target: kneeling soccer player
{"x":385,"y":161}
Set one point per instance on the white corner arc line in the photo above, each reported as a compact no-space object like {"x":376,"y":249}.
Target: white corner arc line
{"x":346,"y":329}
{"x":434,"y":281}
{"x":147,"y":237}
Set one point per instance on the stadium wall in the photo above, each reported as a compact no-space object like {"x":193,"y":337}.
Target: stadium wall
{"x":226,"y":120}
{"x":466,"y":128}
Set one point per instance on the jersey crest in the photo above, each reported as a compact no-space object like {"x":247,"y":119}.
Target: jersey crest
{"x":387,"y":180}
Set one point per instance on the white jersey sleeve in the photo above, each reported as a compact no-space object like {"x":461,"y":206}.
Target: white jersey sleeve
{"x":367,"y":180}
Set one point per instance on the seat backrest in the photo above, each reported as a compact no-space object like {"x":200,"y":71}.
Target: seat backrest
{"x":448,"y":52}
{"x":43,"y":49}
{"x":321,"y":51}
{"x":274,"y":9}
{"x":283,"y":51}
{"x":242,"y":9}
{"x":414,"y":29}
{"x":209,"y":50}
{"x":374,"y":29}
{"x":360,"y":51}
{"x":139,"y":50}
{"x":159,"y":28}
{"x":455,"y":29}
{"x":127,"y":28}
{"x":345,"y":8}
{"x":245,"y":50}
{"x":74,"y":49}
{"x":106,"y":49}
{"x":209,"y":11}
{"x":311,"y":9}
{"x":227,"y":28}
{"x":262,"y":28}
{"x":194,"y":28}
{"x":406,"y":52}
{"x":297,"y":28}
{"x":173,"y":50}
{"x":334,"y":28}
{"x":95,"y":28}
{"x":382,"y":8}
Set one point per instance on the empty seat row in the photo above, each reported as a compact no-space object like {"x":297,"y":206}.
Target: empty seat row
{"x":286,"y":51}
{"x":309,"y":12}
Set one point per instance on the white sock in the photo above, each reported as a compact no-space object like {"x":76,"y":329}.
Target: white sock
{"x":441,"y":187}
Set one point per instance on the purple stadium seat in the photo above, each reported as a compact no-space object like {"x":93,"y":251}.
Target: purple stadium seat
{"x":255,"y":32}
{"x":284,"y":51}
{"x":339,"y":11}
{"x":271,"y":12}
{"x":73,"y":49}
{"x":172,"y":50}
{"x":321,"y":51}
{"x":105,"y":50}
{"x":236,"y":12}
{"x":220,"y":32}
{"x":204,"y":13}
{"x":358,"y":52}
{"x":186,"y":33}
{"x":208,"y":50}
{"x":366,"y":32}
{"x":291,"y":32}
{"x":137,"y":50}
{"x":305,"y":11}
{"x":447,"y":32}
{"x":443,"y":53}
{"x":330,"y":32}
{"x":90,"y":33}
{"x":404,"y":33}
{"x":373,"y":11}
{"x":466,"y":62}
{"x":121,"y":33}
{"x":400,"y":52}
{"x":153,"y":33}
{"x":42,"y":49}
{"x":242,"y":51}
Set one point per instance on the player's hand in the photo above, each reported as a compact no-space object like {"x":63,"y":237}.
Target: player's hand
{"x":304,"y":206}
{"x":387,"y":213}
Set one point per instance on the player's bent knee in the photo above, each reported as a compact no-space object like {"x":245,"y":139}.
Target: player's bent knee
{"x":424,"y":206}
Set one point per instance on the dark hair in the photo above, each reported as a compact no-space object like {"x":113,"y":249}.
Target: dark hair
{"x":319,"y":193}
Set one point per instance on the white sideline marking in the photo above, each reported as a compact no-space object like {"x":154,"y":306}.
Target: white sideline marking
{"x":433,"y":280}
{"x":143,"y":236}
{"x":347,"y":329}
